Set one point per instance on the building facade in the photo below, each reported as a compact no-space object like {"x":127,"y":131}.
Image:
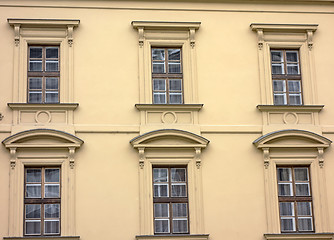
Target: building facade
{"x":188,"y":120}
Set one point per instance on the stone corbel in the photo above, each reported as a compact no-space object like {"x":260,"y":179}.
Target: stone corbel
{"x":70,"y":35}
{"x":12,"y":157}
{"x":260,"y":38}
{"x":141,"y":36}
{"x":198,"y":157}
{"x":71,"y":151}
{"x":17,"y":34}
{"x":141,"y":157}
{"x":266,"y":157}
{"x":192,"y":37}
{"x":309,"y":39}
{"x":321,"y":157}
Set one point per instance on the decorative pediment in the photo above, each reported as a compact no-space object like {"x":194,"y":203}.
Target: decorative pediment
{"x":169,"y":138}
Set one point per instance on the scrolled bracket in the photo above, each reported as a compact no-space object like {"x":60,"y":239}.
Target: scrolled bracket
{"x":198,"y":157}
{"x":70,"y":35}
{"x":192,"y":37}
{"x":310,"y":39}
{"x":141,"y":36}
{"x":266,"y":157}
{"x":321,"y":157}
{"x":260,"y":39}
{"x":12,"y":157}
{"x":17,"y":34}
{"x":71,"y":151}
{"x":141,"y":157}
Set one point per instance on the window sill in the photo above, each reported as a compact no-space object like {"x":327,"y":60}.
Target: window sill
{"x":287,"y":108}
{"x":300,"y":236}
{"x":170,"y":236}
{"x":190,"y":107}
{"x":45,"y":237}
{"x":44,"y":106}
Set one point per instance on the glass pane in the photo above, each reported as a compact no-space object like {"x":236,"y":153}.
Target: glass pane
{"x":159,"y":67}
{"x":159,"y":84}
{"x":293,"y":69}
{"x":277,"y":68}
{"x":35,"y":83}
{"x":35,"y":66}
{"x":51,"y":190}
{"x":51,"y":226}
{"x":175,"y":84}
{"x":288,"y":224}
{"x":51,"y":52}
{"x":51,"y":66}
{"x":35,"y":97}
{"x":180,"y":210}
{"x":52,"y":175}
{"x":174,"y":54}
{"x":179,"y":190}
{"x":304,"y":209}
{"x":33,"y":210}
{"x":175,"y":98}
{"x":33,"y":191}
{"x":160,"y":190}
{"x":292,"y":56}
{"x":161,"y":226}
{"x":302,"y":189}
{"x":286,"y":209}
{"x":33,"y":227}
{"x":276,"y":56}
{"x":158,"y":54}
{"x":51,"y":210}
{"x":279,"y":99}
{"x":51,"y":83}
{"x":294,"y":86}
{"x":284,"y":174}
{"x":174,"y":67}
{"x":180,"y":225}
{"x":301,"y":174}
{"x":178,"y":174}
{"x":279,"y":86}
{"x":285,"y":189}
{"x":305,"y":224}
{"x":161,"y":210}
{"x":51,"y":97}
{"x":295,"y":99}
{"x":36,"y":52}
{"x":34,"y":175}
{"x":159,"y":98}
{"x":160,"y":175}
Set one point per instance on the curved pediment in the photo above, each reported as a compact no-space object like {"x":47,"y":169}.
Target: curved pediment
{"x":292,"y":138}
{"x":169,"y":138}
{"x":39,"y":138}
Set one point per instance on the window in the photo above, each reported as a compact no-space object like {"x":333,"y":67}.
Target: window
{"x":295,"y":200}
{"x":170,"y":199}
{"x":43,"y":74}
{"x":286,"y":76}
{"x":42,"y":201}
{"x":167,"y":76}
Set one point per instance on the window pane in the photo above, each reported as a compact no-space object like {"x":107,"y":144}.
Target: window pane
{"x":295,"y":99}
{"x":175,"y":84}
{"x":36,"y":52}
{"x":51,"y":190}
{"x":180,"y":225}
{"x":174,"y":54}
{"x":179,"y":190}
{"x":159,"y":67}
{"x":160,"y":175}
{"x":279,"y":99}
{"x":34,"y":175}
{"x":51,"y":226}
{"x":33,"y":227}
{"x":51,"y":210}
{"x":279,"y":86}
{"x":276,"y":56}
{"x":294,"y":86}
{"x":159,"y":84}
{"x":51,"y":83}
{"x":161,"y":210}
{"x":35,"y":66}
{"x":284,"y":174}
{"x":51,"y":97}
{"x":35,"y":97}
{"x":288,"y":224}
{"x":286,"y":209}
{"x":161,"y":226}
{"x":285,"y":189}
{"x":304,"y":209}
{"x":180,"y":210}
{"x":35,"y":83}
{"x":305,"y":224}
{"x":292,"y":56}
{"x":302,"y":189}
{"x":33,"y":210}
{"x":174,"y":67}
{"x":51,"y":175}
{"x":160,"y":190}
{"x":301,"y":174}
{"x":293,"y":69}
{"x":175,"y":98}
{"x":51,"y":66}
{"x":158,"y":54}
{"x":51,"y":52}
{"x":277,"y":68}
{"x":159,"y":98}
{"x":33,"y":191}
{"x":178,"y":174}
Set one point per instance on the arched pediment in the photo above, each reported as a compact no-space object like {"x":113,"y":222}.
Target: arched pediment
{"x":292,"y":138}
{"x":39,"y":138}
{"x":169,"y":138}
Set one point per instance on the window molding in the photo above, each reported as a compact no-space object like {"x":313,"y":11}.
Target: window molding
{"x":292,"y":148}
{"x":179,"y":237}
{"x":27,"y":149}
{"x":300,"y":236}
{"x":175,"y":148}
{"x":286,"y":36}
